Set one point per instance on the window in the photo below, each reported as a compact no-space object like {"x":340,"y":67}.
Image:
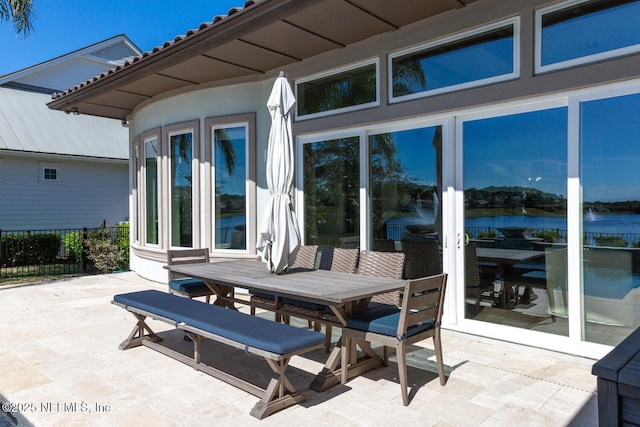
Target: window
{"x":151,"y":174}
{"x":230,"y":183}
{"x":331,"y":171}
{"x":609,"y":153}
{"x":444,"y":65}
{"x":181,"y":188}
{"x":575,"y":33}
{"x":230,"y":186}
{"x":49,"y":172}
{"x":338,"y":91}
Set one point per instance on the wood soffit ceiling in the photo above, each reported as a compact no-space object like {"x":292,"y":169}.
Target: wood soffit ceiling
{"x":262,"y":36}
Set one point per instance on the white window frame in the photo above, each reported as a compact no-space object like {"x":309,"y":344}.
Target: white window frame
{"x":191,"y":127}
{"x":335,"y":71}
{"x":210,"y":148}
{"x":540,"y":69}
{"x":43,"y":166}
{"x":142,"y":192}
{"x":515,"y":21}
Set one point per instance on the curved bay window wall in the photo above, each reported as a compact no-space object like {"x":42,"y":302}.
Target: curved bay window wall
{"x":193,"y":193}
{"x":609,"y":173}
{"x":515,"y":195}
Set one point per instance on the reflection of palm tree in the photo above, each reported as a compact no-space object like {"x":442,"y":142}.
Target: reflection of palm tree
{"x":225,"y":145}
{"x":356,"y":88}
{"x":406,"y":76}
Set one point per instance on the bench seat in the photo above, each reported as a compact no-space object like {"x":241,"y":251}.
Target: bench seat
{"x":276,"y":342}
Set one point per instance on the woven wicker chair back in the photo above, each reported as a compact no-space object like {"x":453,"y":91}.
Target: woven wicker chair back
{"x":306,"y":257}
{"x":339,"y":259}
{"x":383,"y":264}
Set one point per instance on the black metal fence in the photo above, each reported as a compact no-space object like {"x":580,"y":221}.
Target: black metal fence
{"x":34,"y":253}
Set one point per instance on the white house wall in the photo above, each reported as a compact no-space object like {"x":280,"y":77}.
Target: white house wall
{"x":87,"y":193}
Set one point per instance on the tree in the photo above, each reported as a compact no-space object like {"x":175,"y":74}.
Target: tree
{"x":19,"y":13}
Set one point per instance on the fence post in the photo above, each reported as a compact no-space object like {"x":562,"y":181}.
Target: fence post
{"x":85,"y":234}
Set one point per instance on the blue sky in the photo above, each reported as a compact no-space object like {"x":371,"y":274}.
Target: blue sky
{"x":63,"y":26}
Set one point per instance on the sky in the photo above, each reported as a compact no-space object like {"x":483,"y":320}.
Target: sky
{"x":63,"y":26}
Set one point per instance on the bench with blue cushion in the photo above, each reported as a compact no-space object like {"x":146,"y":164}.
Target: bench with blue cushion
{"x":275,"y":342}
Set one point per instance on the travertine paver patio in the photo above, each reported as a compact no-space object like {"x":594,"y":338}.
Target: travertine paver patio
{"x":60,"y":363}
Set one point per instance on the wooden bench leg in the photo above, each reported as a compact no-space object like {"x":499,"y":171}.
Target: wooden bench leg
{"x":138,"y":334}
{"x":279,"y":394}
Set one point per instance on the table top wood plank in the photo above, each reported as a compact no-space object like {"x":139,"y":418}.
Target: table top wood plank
{"x":320,"y":286}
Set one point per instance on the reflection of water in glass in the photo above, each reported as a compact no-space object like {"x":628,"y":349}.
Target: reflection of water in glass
{"x":594,"y":223}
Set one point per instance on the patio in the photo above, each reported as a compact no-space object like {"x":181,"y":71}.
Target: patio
{"x":60,"y":364}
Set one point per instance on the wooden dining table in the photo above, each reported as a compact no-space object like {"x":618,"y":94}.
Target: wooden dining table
{"x":344,"y":293}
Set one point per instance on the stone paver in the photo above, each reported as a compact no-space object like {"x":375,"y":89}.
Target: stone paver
{"x":60,"y":363}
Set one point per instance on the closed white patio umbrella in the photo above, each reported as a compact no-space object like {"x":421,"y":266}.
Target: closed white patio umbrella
{"x":279,"y":235}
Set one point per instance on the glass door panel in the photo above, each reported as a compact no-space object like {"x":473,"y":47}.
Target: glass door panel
{"x":332,"y":192}
{"x":609,"y":173}
{"x":406,"y":190}
{"x":515,"y":195}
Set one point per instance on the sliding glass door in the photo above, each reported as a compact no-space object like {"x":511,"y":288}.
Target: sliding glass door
{"x":515,"y":219}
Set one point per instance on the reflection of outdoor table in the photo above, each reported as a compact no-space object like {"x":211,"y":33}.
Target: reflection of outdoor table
{"x":505,"y":259}
{"x":341,"y":292}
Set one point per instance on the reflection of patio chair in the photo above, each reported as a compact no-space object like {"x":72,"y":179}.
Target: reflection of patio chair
{"x":477,"y":286}
{"x":384,"y":245}
{"x":556,"y":274}
{"x":422,"y":259}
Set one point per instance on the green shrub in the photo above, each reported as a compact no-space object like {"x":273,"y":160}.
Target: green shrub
{"x":548,"y":236}
{"x":101,"y":250}
{"x":491,"y":234}
{"x":122,"y":240}
{"x":614,"y":241}
{"x":73,"y":245}
{"x":29,"y":249}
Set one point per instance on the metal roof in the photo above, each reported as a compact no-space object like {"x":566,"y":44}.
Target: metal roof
{"x":65,"y":71}
{"x":263,"y":36}
{"x":28,"y":126}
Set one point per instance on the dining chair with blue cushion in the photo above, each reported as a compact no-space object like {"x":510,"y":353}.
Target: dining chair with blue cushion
{"x":418,"y":318}
{"x":188,"y":286}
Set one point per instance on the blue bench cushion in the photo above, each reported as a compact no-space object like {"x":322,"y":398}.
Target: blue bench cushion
{"x":188,"y":285}
{"x":384,"y":321}
{"x":249,"y":330}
